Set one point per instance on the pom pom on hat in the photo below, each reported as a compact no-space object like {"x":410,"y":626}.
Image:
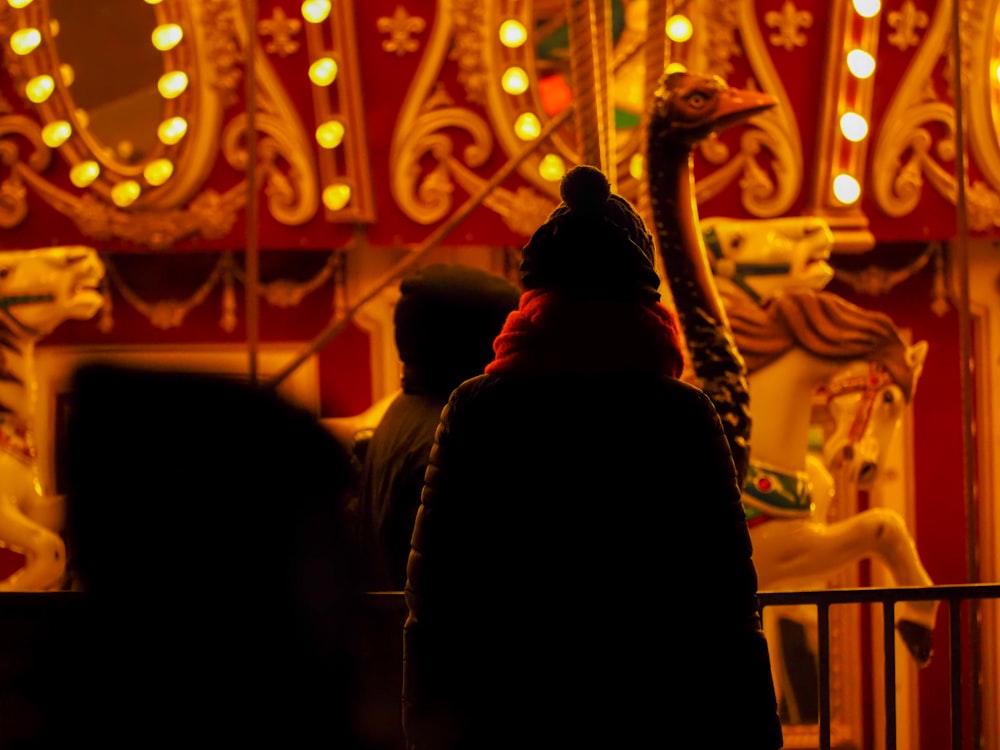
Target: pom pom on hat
{"x":594,"y":244}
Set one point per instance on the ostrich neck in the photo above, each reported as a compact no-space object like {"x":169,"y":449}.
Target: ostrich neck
{"x":714,"y":357}
{"x":679,"y":234}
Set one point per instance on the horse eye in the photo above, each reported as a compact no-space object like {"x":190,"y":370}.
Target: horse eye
{"x":888,"y":397}
{"x":4,"y":272}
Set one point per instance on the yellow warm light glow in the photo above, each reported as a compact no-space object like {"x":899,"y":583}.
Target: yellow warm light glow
{"x":335,"y":197}
{"x":860,"y":63}
{"x":24,"y":41}
{"x":330,"y":134}
{"x":513,"y":33}
{"x":158,"y":171}
{"x":867,"y":8}
{"x":56,"y":133}
{"x":153,"y":2}
{"x":125,"y":193}
{"x":67,"y":74}
{"x":40,"y":88}
{"x":172,"y":130}
{"x":323,"y":72}
{"x":18,"y":3}
{"x":84,"y":173}
{"x":637,"y":166}
{"x":515,"y":80}
{"x":996,"y":71}
{"x":676,"y":67}
{"x":82,"y":118}
{"x":316,"y":11}
{"x":846,"y":189}
{"x":679,"y":28}
{"x":552,"y":167}
{"x":173,"y":84}
{"x":853,"y":126}
{"x":167,"y":36}
{"x":527,"y":127}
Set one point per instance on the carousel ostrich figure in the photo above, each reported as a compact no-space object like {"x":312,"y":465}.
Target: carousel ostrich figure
{"x":687,"y":109}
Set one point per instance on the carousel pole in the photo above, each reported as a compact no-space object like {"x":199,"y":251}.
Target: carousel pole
{"x":961,"y":261}
{"x":590,"y":69}
{"x":252,"y":261}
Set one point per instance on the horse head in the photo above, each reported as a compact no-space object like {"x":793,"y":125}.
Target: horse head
{"x":866,"y":402}
{"x":767,"y":256}
{"x":43,"y":287}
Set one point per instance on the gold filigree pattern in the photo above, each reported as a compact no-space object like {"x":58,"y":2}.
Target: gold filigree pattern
{"x":282,"y":31}
{"x":400,"y":27}
{"x":788,"y":21}
{"x":906,"y":21}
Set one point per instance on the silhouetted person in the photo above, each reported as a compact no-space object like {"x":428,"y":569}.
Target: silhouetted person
{"x":204,"y":522}
{"x":581,"y":571}
{"x":444,"y":323}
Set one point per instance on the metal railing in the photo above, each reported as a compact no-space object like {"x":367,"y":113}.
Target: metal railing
{"x":954,"y":595}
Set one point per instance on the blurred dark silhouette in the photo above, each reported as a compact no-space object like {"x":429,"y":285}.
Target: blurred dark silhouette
{"x":219,"y":597}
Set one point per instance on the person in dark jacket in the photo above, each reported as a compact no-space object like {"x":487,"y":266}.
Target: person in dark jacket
{"x":444,"y":324}
{"x":581,"y":573}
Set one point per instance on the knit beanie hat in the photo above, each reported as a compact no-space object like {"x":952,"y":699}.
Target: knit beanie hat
{"x":445,"y":322}
{"x":593,"y":245}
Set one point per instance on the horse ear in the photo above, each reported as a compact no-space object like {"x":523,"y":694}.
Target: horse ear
{"x":915,"y":356}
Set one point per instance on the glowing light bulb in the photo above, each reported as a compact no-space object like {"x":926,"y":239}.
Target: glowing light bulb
{"x":67,"y":74}
{"x":330,"y":134}
{"x":125,"y":193}
{"x":56,"y":133}
{"x":552,"y":167}
{"x":316,"y":11}
{"x":167,"y":36}
{"x":24,"y":41}
{"x":867,"y":8}
{"x":158,"y":171}
{"x":335,"y":197}
{"x":323,"y":72}
{"x":172,"y":130}
{"x":512,"y":33}
{"x":84,"y":173}
{"x":18,"y":3}
{"x":846,"y":189}
{"x":676,"y":67}
{"x":853,"y":126}
{"x":527,"y":127}
{"x":637,"y":166}
{"x":82,"y":118}
{"x":679,"y":28}
{"x":514,"y":80}
{"x":171,"y":85}
{"x":860,"y":63}
{"x":40,"y":88}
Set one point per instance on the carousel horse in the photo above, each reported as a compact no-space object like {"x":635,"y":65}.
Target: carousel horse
{"x":39,"y":289}
{"x":688,"y":108}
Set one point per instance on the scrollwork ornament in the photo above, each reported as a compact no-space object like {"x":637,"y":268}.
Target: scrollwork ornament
{"x":903,"y":155}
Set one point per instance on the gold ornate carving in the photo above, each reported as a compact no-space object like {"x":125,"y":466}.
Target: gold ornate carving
{"x":982,"y":31}
{"x":282,"y":31}
{"x":788,"y":21}
{"x":905,"y":23}
{"x":215,"y":38}
{"x":401,"y":27}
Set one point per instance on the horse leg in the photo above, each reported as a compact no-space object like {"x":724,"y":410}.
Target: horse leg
{"x":44,"y":550}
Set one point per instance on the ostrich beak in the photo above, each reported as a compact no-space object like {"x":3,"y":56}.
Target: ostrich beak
{"x":737,"y":105}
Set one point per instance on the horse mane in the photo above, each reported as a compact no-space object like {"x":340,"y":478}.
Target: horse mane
{"x":8,"y":342}
{"x":823,"y":324}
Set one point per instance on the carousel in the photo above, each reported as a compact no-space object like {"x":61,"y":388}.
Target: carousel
{"x":237,"y":186}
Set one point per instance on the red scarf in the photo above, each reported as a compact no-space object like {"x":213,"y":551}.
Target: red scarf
{"x":550,"y":334}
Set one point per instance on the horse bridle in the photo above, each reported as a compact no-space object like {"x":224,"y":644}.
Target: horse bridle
{"x":9,"y":301}
{"x":868,"y":385}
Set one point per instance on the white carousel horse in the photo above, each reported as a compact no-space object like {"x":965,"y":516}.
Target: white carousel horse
{"x":799,"y":342}
{"x":39,"y":289}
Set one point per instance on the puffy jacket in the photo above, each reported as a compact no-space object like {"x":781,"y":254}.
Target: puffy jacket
{"x":581,"y":573}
